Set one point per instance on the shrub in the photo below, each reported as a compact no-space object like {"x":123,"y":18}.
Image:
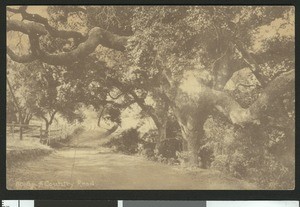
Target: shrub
{"x":126,"y":142}
{"x":206,"y":155}
{"x":247,"y":154}
{"x":151,"y":136}
{"x":173,"y":128}
{"x":183,"y":158}
{"x":77,"y":131}
{"x":146,"y":149}
{"x":167,"y":148}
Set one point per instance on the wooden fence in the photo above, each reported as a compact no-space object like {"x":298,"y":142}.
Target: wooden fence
{"x":36,"y":131}
{"x":21,"y":130}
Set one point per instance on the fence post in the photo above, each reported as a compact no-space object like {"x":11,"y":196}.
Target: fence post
{"x":41,"y":133}
{"x":21,"y":131}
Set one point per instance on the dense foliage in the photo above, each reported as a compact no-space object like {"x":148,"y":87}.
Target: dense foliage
{"x":126,"y":142}
{"x":185,"y":67}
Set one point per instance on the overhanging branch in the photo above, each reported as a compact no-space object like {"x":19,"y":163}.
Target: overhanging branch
{"x":39,"y":25}
{"x":96,"y":36}
{"x":250,"y":61}
{"x":35,"y":18}
{"x":238,"y":115}
{"x":26,"y":28}
{"x":20,"y":58}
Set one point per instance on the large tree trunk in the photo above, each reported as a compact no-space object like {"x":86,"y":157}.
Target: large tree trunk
{"x":193,"y":132}
{"x":184,"y":145}
{"x":191,"y":125}
{"x":162,"y":133}
{"x":162,"y":130}
{"x":193,"y":148}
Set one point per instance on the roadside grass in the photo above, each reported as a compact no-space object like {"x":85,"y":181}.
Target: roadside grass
{"x":29,"y":148}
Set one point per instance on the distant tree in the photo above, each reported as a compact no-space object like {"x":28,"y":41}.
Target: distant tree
{"x":19,"y":96}
{"x":40,"y":91}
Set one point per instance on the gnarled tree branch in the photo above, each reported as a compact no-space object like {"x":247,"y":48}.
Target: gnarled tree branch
{"x":20,"y":58}
{"x":238,"y":115}
{"x":64,"y":34}
{"x":39,"y":25}
{"x":146,"y":108}
{"x":95,"y":37}
{"x":250,"y":61}
{"x":26,"y":28}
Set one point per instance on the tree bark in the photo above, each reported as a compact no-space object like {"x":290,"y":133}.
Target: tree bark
{"x":193,"y":133}
{"x":162,"y":117}
{"x":162,"y":131}
{"x":191,"y":126}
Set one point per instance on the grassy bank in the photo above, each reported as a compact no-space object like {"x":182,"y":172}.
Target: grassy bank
{"x":22,"y":150}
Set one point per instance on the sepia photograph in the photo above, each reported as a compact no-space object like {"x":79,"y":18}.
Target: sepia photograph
{"x":150,"y":97}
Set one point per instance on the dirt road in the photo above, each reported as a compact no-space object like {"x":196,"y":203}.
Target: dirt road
{"x":99,"y":168}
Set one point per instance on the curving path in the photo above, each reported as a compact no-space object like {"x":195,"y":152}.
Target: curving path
{"x":99,"y":168}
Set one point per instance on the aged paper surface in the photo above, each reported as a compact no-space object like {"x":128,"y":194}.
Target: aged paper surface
{"x":150,"y":97}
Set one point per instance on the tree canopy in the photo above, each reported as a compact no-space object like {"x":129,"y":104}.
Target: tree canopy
{"x":213,"y":69}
